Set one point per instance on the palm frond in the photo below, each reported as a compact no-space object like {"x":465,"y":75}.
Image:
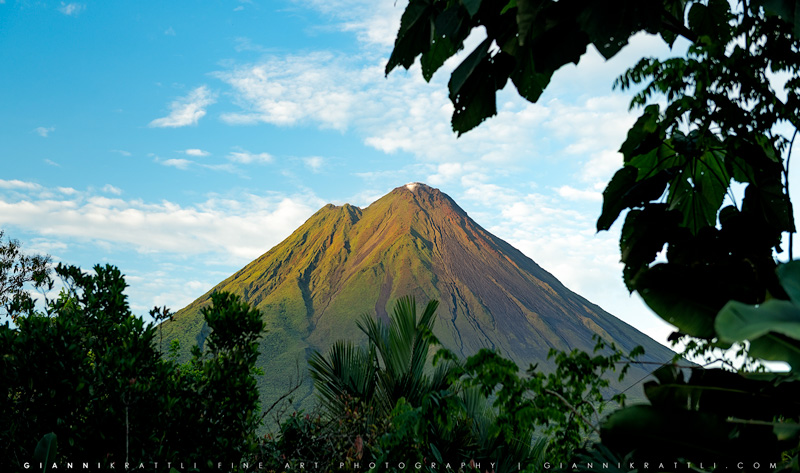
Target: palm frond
{"x":347,"y":374}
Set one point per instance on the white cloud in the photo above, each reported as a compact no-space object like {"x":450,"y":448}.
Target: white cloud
{"x":187,"y":110}
{"x":246,"y":157}
{"x":196,"y":152}
{"x":71,"y":9}
{"x":52,"y":163}
{"x":240,"y":227}
{"x":44,"y":245}
{"x":374,"y":23}
{"x":122,"y":152}
{"x":401,"y":113}
{"x":571,"y":193}
{"x":314,"y":163}
{"x":19,"y":185}
{"x":182,"y":164}
{"x":593,"y":124}
{"x":44,"y":131}
{"x":286,"y":91}
{"x":600,"y":167}
{"x":169,"y":32}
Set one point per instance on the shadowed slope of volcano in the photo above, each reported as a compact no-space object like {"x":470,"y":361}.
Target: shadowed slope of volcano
{"x":345,"y":261}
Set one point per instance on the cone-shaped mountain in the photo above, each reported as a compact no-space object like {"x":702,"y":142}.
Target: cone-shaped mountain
{"x":345,"y":261}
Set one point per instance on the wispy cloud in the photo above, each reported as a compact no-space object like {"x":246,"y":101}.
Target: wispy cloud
{"x":374,"y":23}
{"x":295,"y":89}
{"x":169,"y":32}
{"x":246,"y":44}
{"x":187,"y":110}
{"x":314,"y":163}
{"x":196,"y":152}
{"x":44,"y":131}
{"x":122,"y":152}
{"x":246,"y":157}
{"x":50,"y":162}
{"x":182,"y":164}
{"x":112,"y":190}
{"x":71,"y":9}
{"x":571,"y":193}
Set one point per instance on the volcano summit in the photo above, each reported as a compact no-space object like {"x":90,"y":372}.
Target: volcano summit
{"x":345,"y":261}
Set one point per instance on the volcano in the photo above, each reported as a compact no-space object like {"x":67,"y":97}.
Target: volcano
{"x":345,"y":261}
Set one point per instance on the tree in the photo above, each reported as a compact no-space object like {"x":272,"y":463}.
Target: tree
{"x":90,"y":372}
{"x":395,"y":365}
{"x":724,"y":123}
{"x":367,"y":383}
{"x":17,"y":272}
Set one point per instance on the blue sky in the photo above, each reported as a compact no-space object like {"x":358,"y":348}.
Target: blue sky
{"x":181,"y":140}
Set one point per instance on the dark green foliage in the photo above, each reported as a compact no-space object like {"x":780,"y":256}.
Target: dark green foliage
{"x":535,"y":38}
{"x":322,"y":443}
{"x":565,"y":406}
{"x":713,"y":416}
{"x":90,"y":372}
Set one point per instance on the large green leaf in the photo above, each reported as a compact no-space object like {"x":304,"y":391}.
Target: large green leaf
{"x":644,"y":136}
{"x":789,"y":277}
{"x":675,"y":433}
{"x":699,"y":189}
{"x":643,"y":236}
{"x":710,"y":21}
{"x":45,"y":452}
{"x":738,"y":322}
{"x":467,"y":67}
{"x":529,"y":81}
{"x":473,"y":86}
{"x":609,"y":23}
{"x":680,"y":297}
{"x":669,"y":435}
{"x":772,"y":328}
{"x":727,"y":394}
{"x":441,"y":49}
{"x":472,"y":6}
{"x":626,"y":191}
{"x":775,"y":347}
{"x":414,"y":35}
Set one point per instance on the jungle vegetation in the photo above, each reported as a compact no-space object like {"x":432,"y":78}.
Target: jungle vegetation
{"x":83,"y":371}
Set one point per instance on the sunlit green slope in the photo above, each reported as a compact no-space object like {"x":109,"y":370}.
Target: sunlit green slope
{"x":345,"y":261}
